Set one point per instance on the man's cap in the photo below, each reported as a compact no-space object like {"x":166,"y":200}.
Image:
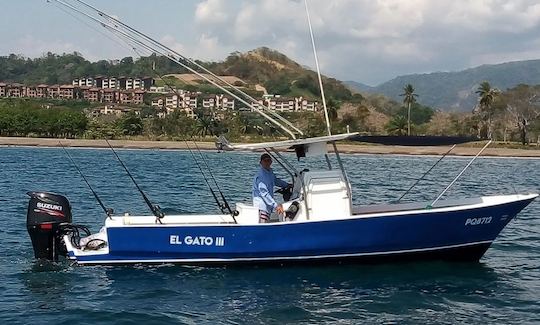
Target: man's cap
{"x":265,"y":156}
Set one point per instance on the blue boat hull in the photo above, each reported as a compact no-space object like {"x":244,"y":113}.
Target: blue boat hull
{"x":463,"y":235}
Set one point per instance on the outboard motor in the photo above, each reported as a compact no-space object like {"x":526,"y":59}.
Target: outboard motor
{"x":46,"y":213}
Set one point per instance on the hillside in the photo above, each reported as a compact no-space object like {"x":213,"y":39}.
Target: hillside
{"x":261,"y":68}
{"x":358,"y":86}
{"x":279,"y":74}
{"x":455,"y":91}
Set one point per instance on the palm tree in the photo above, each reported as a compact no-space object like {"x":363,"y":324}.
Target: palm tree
{"x":332,"y":107}
{"x":131,"y":125}
{"x":205,"y":125}
{"x":409,"y":98}
{"x":486,"y":97}
{"x":396,"y":125}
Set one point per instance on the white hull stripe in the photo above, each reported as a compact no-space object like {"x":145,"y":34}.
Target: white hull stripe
{"x":278,"y":258}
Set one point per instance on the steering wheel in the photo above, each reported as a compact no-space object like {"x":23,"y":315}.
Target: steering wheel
{"x":285,"y":192}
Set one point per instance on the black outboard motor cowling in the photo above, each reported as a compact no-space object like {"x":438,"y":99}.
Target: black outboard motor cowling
{"x":46,"y":212}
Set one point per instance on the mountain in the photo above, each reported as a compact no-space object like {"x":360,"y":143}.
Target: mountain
{"x":358,"y":86}
{"x":455,"y":91}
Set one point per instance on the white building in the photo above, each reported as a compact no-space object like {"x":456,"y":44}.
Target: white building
{"x":84,"y":82}
{"x":209,"y":101}
{"x":303,"y":104}
{"x":110,"y":83}
{"x":161,"y":90}
{"x":224,"y":102}
{"x":172,"y":101}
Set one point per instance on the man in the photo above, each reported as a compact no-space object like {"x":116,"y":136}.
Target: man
{"x":263,"y":189}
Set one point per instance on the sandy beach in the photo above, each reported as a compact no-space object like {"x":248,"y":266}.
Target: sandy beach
{"x":346,"y":148}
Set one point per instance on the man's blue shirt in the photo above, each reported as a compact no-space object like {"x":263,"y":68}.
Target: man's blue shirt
{"x":263,"y":189}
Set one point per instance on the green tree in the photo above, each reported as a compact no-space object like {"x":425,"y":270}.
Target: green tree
{"x":409,"y":97}
{"x":19,"y":117}
{"x":131,"y":124}
{"x":486,"y":98}
{"x":420,"y":114}
{"x":332,"y":106}
{"x":523,"y":104}
{"x":316,"y":126}
{"x":206,"y":125}
{"x":398,"y":125}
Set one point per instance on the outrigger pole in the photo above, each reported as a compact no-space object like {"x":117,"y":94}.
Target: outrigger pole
{"x":134,"y":36}
{"x":156,"y":211}
{"x":424,"y":175}
{"x":318,"y":70}
{"x":108,"y":211}
{"x":459,"y":175}
{"x":328,"y":128}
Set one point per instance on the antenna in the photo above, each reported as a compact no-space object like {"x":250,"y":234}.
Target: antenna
{"x":156,"y":211}
{"x":107,"y":211}
{"x":318,"y":70}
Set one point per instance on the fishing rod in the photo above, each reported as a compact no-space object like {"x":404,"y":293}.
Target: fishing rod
{"x":427,"y":172}
{"x":221,"y":206}
{"x":57,"y":5}
{"x":177,"y":58}
{"x":215,"y":182}
{"x":120,"y":24}
{"x":108,"y":211}
{"x":156,"y":211}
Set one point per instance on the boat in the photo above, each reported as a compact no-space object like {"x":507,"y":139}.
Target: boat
{"x":320,"y":223}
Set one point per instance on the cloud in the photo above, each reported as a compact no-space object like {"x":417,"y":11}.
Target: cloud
{"x":211,"y":11}
{"x":33,"y":47}
{"x":205,"y":48}
{"x":492,"y":15}
{"x":408,"y":36}
{"x":362,"y":40}
{"x":171,"y":42}
{"x":507,"y":56}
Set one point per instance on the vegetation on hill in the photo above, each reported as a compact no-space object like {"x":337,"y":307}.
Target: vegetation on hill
{"x":57,"y":69}
{"x":277,"y":73}
{"x":511,"y":114}
{"x":455,"y":91}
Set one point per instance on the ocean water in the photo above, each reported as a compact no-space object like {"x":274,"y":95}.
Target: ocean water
{"x":503,"y":288}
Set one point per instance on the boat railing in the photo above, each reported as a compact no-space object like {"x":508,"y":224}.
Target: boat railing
{"x":393,"y":207}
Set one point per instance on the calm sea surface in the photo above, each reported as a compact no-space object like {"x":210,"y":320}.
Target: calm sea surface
{"x":503,"y":288}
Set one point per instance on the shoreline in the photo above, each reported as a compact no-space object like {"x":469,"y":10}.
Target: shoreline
{"x":344,"y":148}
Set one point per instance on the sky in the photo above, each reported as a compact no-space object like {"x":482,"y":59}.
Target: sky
{"x":368,"y":41}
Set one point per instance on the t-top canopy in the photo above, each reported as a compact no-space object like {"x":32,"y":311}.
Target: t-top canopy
{"x":224,"y":144}
{"x":424,"y":140}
